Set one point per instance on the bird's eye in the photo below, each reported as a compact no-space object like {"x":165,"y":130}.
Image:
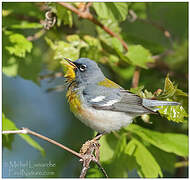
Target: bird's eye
{"x":82,"y":68}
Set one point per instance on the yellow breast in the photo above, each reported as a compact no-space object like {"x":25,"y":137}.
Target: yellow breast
{"x":74,"y":101}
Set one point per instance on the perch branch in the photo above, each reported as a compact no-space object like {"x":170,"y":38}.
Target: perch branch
{"x":28,"y":131}
{"x":86,"y":158}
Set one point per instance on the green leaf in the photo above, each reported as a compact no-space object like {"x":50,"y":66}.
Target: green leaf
{"x":147,"y":165}
{"x":73,"y":38}
{"x":115,"y":11}
{"x":94,"y":172}
{"x":91,"y":41}
{"x":20,"y":45}
{"x":139,"y":56}
{"x":33,"y":143}
{"x":6,"y":12}
{"x":140,"y":9}
{"x":117,"y":44}
{"x":106,"y":152}
{"x":165,"y":160}
{"x":172,"y":93}
{"x":11,"y":69}
{"x":143,"y":94}
{"x":92,"y":45}
{"x":169,"y":89}
{"x":26,"y":25}
{"x":117,"y":167}
{"x":169,"y":142}
{"x":173,"y":113}
{"x":63,"y":49}
{"x":63,"y":15}
{"x":9,"y":125}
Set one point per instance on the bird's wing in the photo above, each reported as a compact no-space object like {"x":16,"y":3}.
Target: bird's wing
{"x":115,"y":99}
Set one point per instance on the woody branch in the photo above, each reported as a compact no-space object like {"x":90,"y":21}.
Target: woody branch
{"x":83,"y":158}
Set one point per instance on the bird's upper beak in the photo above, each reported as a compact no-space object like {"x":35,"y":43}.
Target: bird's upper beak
{"x":70,"y":73}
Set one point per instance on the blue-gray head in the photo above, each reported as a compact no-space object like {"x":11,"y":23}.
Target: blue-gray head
{"x":84,"y":71}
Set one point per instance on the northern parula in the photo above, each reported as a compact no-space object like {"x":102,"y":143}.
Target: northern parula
{"x":100,"y":103}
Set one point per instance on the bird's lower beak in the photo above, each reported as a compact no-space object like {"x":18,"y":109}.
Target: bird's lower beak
{"x":70,"y":64}
{"x":70,"y":74}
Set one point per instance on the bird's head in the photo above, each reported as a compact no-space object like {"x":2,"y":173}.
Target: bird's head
{"x":83,"y":71}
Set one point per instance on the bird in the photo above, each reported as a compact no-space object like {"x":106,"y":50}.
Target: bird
{"x":100,"y":103}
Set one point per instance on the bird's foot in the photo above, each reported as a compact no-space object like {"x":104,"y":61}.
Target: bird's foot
{"x":92,"y":147}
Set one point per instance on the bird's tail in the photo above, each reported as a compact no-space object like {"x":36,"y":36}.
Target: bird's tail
{"x":153,"y":103}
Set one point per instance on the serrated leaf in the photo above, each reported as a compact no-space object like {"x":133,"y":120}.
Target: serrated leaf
{"x":172,"y":93}
{"x":173,"y":113}
{"x":9,"y":125}
{"x":169,"y":142}
{"x":147,"y":165}
{"x":115,"y":11}
{"x":169,"y":88}
{"x":20,"y":45}
{"x":139,"y":56}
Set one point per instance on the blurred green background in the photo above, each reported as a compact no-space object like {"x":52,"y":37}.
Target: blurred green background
{"x":27,"y":104}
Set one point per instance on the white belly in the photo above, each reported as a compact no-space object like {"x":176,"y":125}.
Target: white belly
{"x":103,"y":120}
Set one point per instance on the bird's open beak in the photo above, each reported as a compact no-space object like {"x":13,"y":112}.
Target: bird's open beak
{"x":70,"y":64}
{"x":70,"y":73}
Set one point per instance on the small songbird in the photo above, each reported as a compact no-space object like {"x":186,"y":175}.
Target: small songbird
{"x":100,"y":103}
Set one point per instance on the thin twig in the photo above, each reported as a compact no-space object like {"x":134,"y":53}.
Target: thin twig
{"x":136,"y":76}
{"x":28,"y":131}
{"x":134,"y":17}
{"x":90,"y":17}
{"x":21,"y":131}
{"x":102,"y":169}
{"x":36,"y":35}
